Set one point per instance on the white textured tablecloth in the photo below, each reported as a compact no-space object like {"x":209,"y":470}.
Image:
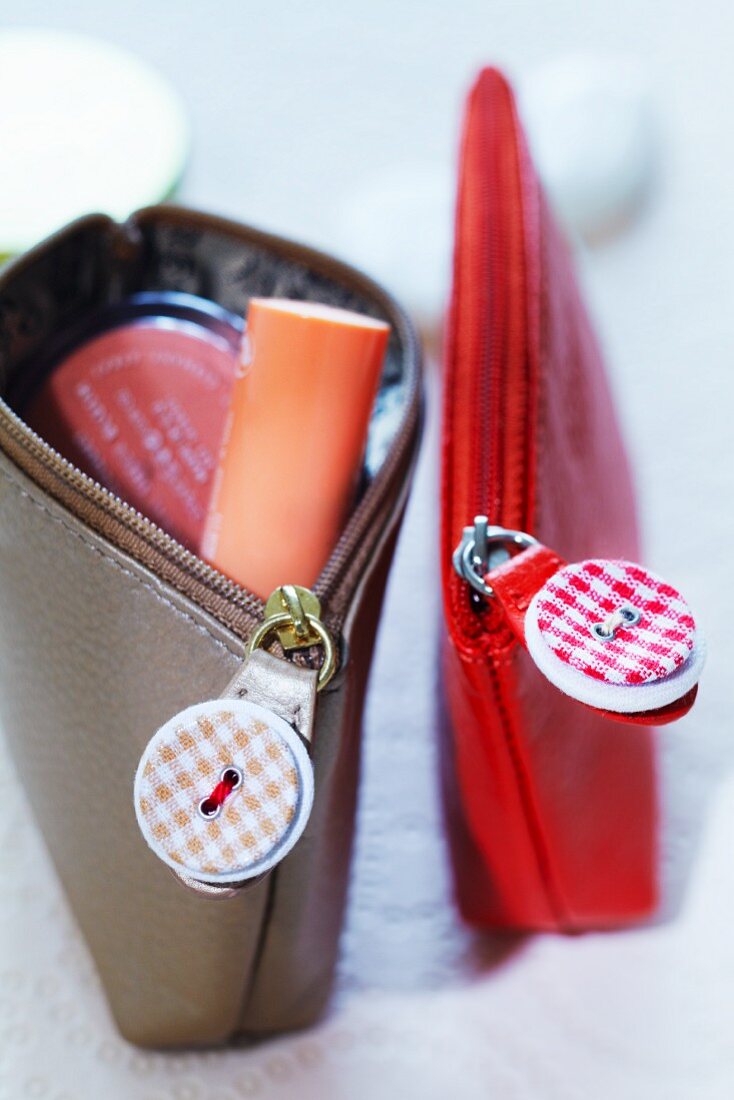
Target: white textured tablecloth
{"x":424,"y":1008}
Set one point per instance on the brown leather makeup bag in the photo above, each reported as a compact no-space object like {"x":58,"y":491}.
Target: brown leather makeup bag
{"x":108,"y":627}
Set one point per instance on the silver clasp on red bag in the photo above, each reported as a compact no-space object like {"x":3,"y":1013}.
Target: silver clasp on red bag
{"x":482,"y":548}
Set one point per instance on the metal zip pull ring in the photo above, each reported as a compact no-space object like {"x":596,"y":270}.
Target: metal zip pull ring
{"x":294,"y":613}
{"x":483,"y":547}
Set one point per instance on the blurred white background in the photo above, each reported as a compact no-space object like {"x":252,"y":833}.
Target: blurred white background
{"x":299,"y":111}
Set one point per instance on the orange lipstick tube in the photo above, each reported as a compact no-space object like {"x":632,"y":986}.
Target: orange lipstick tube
{"x":294,"y":442}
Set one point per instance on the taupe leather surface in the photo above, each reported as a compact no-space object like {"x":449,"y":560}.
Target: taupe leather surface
{"x":95,"y":654}
{"x":287,"y":688}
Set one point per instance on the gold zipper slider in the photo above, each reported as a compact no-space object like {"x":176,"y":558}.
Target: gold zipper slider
{"x":294,"y":614}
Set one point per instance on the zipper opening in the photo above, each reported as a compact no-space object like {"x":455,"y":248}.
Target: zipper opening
{"x":130,"y":531}
{"x":37,"y":458}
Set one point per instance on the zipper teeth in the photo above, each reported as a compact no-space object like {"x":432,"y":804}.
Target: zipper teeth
{"x":354,"y":547}
{"x":483,"y":386}
{"x":496,"y":377}
{"x":96,"y":494}
{"x":41,"y":462}
{"x":488,"y":471}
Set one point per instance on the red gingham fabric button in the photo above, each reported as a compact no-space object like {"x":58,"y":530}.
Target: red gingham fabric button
{"x":604,"y":631}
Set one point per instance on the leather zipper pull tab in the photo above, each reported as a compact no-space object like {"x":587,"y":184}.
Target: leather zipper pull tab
{"x":224,"y":789}
{"x":286,"y":689}
{"x":608,"y":633}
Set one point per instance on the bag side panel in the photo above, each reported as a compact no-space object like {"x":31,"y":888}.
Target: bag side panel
{"x":95,"y":654}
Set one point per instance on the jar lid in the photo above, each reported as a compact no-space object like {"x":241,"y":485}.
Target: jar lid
{"x":85,"y":127}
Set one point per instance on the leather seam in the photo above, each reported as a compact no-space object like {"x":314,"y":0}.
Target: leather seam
{"x":118,"y":565}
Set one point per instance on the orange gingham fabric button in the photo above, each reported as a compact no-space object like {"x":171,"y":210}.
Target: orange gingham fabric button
{"x":258,"y":821}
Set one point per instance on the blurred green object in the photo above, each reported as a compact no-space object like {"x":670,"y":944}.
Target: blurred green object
{"x":84,"y":127}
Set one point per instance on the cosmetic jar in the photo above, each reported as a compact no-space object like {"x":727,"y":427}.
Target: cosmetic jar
{"x":136,"y":395}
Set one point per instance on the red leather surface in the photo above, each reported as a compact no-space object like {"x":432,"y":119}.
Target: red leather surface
{"x":516,"y":581}
{"x":552,"y":807}
{"x":663,"y":715}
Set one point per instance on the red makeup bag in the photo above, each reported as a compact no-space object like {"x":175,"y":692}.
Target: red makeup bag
{"x":552,"y":807}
